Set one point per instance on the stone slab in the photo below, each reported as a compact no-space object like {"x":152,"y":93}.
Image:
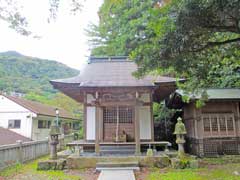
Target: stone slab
{"x":79,"y":162}
{"x":116,"y":175}
{"x":58,"y":164}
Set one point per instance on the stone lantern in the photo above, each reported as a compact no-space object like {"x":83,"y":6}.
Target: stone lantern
{"x":54,"y":133}
{"x":180,"y":131}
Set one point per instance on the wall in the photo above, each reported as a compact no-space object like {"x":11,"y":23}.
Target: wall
{"x":11,"y":110}
{"x":17,"y":153}
{"x":145,"y":122}
{"x":90,"y":119}
{"x":203,"y":145}
{"x":22,"y":152}
{"x":43,"y":133}
{"x":39,"y":134}
{"x":90,"y":123}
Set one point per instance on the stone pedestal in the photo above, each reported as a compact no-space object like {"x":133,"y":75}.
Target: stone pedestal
{"x":53,"y":147}
{"x":181,"y":148}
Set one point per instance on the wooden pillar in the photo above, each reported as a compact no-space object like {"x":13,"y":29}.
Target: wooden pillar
{"x":152,"y":119}
{"x":101,"y":123}
{"x":85,"y":117}
{"x":97,"y":125}
{"x":137,"y":128}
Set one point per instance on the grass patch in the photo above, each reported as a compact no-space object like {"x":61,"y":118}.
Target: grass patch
{"x":186,"y":174}
{"x":31,"y":169}
{"x":217,"y":169}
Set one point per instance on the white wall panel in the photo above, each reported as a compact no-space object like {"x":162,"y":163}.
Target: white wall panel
{"x":145,"y":122}
{"x":91,"y":123}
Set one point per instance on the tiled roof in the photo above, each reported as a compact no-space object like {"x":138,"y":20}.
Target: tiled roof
{"x":225,"y":93}
{"x":40,"y":109}
{"x":9,"y":137}
{"x":112,"y":72}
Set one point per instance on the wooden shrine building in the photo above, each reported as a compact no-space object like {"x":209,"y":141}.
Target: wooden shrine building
{"x":117,"y":106}
{"x":213,"y":129}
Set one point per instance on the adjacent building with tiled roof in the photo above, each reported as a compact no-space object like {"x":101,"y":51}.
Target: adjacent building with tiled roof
{"x":214,"y":128}
{"x":31,"y":119}
{"x":9,"y":137}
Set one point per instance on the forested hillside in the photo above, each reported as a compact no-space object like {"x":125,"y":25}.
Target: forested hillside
{"x":19,"y":73}
{"x":30,"y":77}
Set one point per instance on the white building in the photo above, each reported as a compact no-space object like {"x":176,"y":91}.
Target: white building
{"x":31,"y":119}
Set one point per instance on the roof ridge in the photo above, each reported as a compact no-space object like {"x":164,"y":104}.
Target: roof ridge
{"x":95,"y":59}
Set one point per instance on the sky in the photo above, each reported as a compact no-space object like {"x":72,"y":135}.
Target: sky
{"x":64,"y":40}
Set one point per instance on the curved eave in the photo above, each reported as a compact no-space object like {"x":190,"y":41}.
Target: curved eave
{"x":69,"y":89}
{"x":163,"y":90}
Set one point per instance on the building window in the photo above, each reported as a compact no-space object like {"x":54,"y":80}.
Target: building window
{"x":44,"y":124}
{"x":206,"y":124}
{"x":230,"y":126}
{"x":14,"y":124}
{"x":214,"y":123}
{"x":125,"y":114}
{"x":76,"y":125}
{"x":222,"y":123}
{"x":122,"y":113}
{"x":218,"y":124}
{"x":110,"y":114}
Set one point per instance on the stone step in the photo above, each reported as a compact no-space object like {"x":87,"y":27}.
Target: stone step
{"x":116,"y":147}
{"x":117,"y":166}
{"x":120,"y":152}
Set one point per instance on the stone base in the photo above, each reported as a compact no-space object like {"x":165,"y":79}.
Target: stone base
{"x":79,"y":162}
{"x":64,"y":154}
{"x":58,"y":164}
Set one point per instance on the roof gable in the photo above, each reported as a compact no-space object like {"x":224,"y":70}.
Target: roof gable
{"x":40,"y":109}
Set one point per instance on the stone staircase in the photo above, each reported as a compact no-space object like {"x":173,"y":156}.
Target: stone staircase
{"x":117,"y":166}
{"x":117,"y":150}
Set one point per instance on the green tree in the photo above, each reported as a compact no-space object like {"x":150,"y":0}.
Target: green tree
{"x":195,"y":39}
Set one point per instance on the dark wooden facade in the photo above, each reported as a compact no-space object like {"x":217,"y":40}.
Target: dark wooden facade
{"x":213,"y":129}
